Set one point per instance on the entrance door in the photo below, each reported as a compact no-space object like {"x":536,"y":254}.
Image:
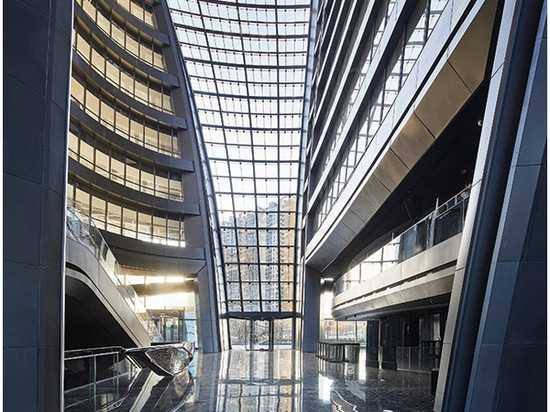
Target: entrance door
{"x":259,"y":334}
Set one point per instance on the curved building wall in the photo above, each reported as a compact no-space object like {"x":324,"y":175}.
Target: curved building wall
{"x":133,"y":159}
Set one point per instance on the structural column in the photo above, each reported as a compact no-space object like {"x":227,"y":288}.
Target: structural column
{"x":373,"y":343}
{"x":311,"y":315}
{"x":37,"y":62}
{"x":389,"y":343}
{"x":494,"y":348}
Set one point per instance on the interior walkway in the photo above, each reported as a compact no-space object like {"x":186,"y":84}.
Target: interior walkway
{"x":288,"y":380}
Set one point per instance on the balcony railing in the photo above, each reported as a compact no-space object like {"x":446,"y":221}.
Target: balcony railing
{"x":81,"y":228}
{"x":443,"y":223}
{"x":96,"y":379}
{"x":100,"y":379}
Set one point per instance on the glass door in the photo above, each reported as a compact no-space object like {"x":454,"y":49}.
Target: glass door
{"x":259,"y":334}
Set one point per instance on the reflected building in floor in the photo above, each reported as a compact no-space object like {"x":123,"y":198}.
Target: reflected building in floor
{"x":273,"y":174}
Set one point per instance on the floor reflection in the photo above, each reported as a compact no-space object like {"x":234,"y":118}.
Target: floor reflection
{"x":287,"y":380}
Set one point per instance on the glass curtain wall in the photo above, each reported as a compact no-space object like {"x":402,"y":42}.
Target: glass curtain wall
{"x":246,"y":63}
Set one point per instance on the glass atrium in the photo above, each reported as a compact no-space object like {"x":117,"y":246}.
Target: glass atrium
{"x":247,"y":67}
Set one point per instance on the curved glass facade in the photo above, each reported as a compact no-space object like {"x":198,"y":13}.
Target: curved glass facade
{"x":246,"y":64}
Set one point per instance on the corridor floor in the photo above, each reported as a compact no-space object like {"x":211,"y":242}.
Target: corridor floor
{"x":288,"y":380}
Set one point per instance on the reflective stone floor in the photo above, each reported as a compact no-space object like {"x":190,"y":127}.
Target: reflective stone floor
{"x":261,"y":381}
{"x":288,"y":380}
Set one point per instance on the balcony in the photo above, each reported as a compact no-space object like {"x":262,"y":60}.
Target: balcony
{"x":416,"y":266}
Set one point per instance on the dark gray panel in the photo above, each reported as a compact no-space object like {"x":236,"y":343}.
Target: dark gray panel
{"x":55,"y":150}
{"x":528,"y":312}
{"x":51,"y":288}
{"x":520,"y":203}
{"x":51,"y":253}
{"x":20,"y":382}
{"x":498,"y":308}
{"x":23,"y":130}
{"x":49,"y":365}
{"x":25,"y":50}
{"x":533,"y":145}
{"x":485,"y":378}
{"x":63,"y":15}
{"x":21,"y":220}
{"x":60,"y":63}
{"x":21,"y":284}
{"x":523,"y":379}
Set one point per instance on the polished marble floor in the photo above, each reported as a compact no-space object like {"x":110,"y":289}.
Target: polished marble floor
{"x":288,"y":380}
{"x":282,"y":380}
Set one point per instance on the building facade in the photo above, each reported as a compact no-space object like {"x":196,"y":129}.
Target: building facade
{"x":422,"y":133}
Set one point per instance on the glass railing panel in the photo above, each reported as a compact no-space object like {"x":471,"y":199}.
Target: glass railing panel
{"x":81,"y":228}
{"x":445,"y":222}
{"x":97,"y":378}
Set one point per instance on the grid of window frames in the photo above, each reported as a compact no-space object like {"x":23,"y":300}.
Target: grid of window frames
{"x":122,"y":168}
{"x":132,"y":41}
{"x":246,"y":63}
{"x":122,"y":75}
{"x":122,"y":120}
{"x":126,"y":218}
{"x":383,"y":94}
{"x":373,"y":41}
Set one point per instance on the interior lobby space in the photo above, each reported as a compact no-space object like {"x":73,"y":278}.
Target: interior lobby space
{"x":274,"y":205}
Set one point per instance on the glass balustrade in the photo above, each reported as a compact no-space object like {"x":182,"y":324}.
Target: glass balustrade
{"x":81,"y":228}
{"x":446,"y":221}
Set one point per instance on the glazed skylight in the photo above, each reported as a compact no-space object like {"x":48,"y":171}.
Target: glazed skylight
{"x":246,"y":61}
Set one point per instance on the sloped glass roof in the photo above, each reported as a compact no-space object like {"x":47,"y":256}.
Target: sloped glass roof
{"x":246,"y":61}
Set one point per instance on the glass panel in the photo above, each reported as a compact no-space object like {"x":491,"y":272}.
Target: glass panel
{"x":144,"y":226}
{"x":114,"y":216}
{"x":82,"y":200}
{"x":175,"y":187}
{"x":129,"y":222}
{"x":147,"y":180}
{"x":161,"y":184}
{"x":159,"y":230}
{"x":86,"y":154}
{"x":98,"y":212}
{"x":117,"y":167}
{"x":77,"y":90}
{"x":102,"y":163}
{"x":252,"y":138}
{"x":173,"y":232}
{"x":73,"y":145}
{"x":83,"y":46}
{"x":132,"y":177}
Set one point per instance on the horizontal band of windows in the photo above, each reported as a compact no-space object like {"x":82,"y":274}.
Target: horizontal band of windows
{"x":140,"y":89}
{"x":135,"y":221}
{"x":119,"y":168}
{"x":141,"y":11}
{"x":122,"y":121}
{"x":134,"y":44}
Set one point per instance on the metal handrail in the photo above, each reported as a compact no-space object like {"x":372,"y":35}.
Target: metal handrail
{"x":423,"y":235}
